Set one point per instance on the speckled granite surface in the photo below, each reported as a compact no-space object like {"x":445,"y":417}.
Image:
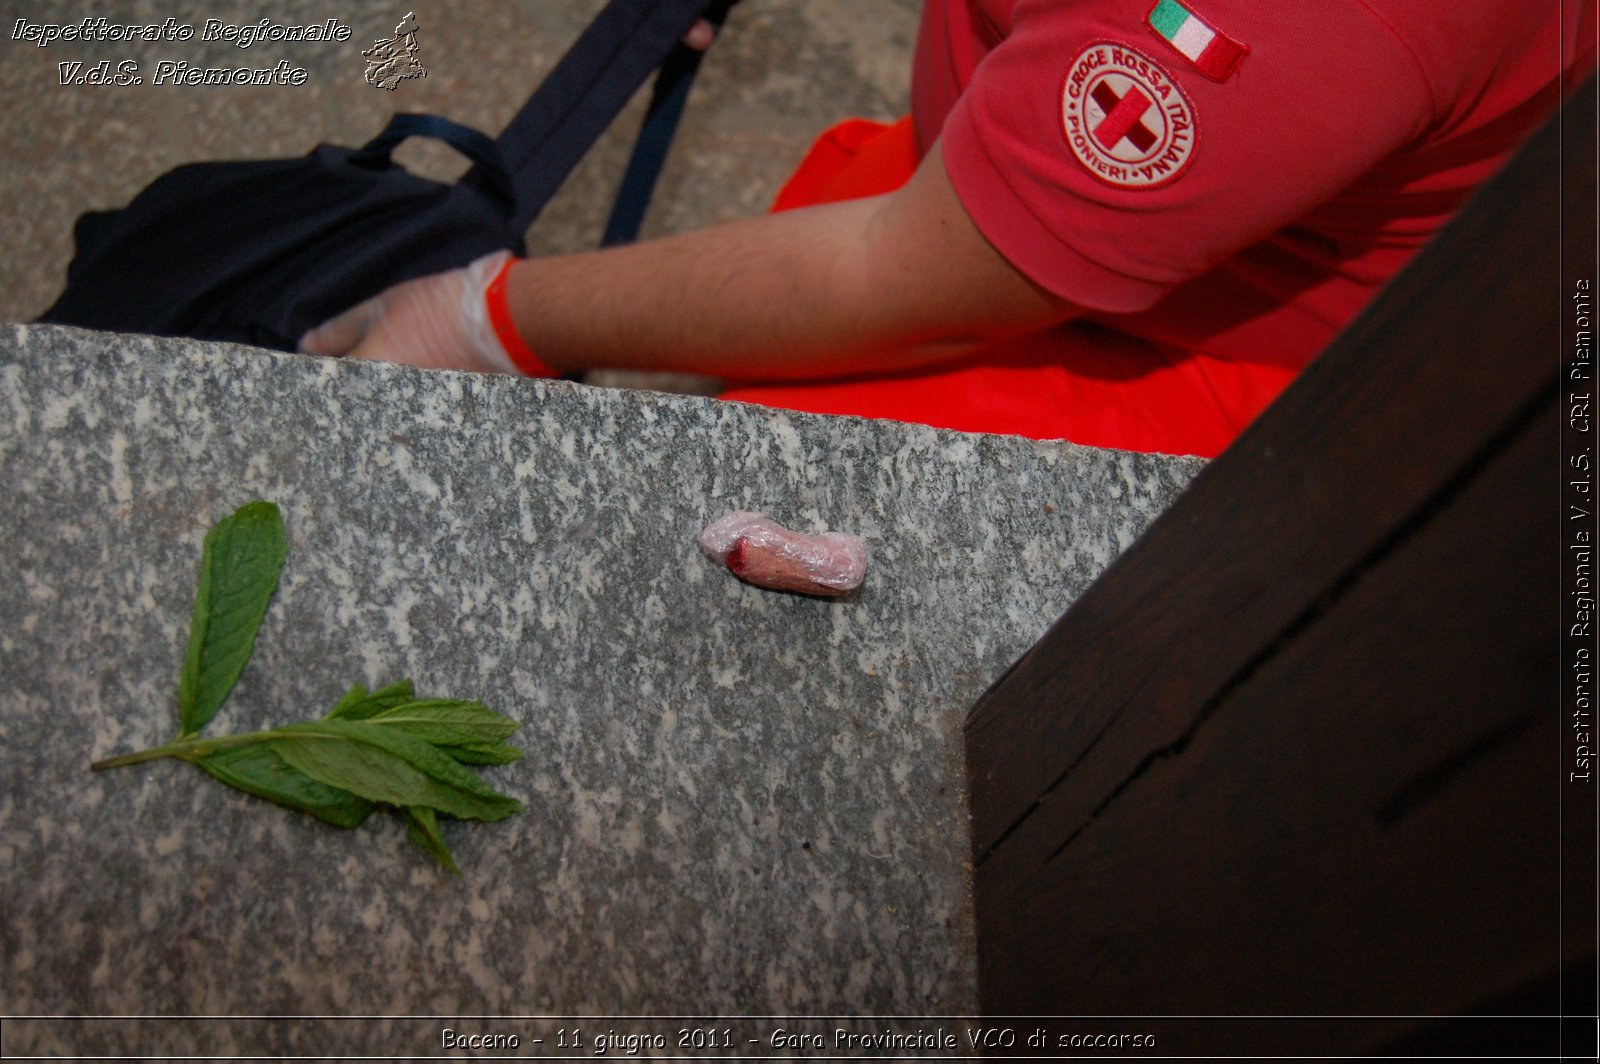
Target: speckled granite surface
{"x":737,"y":801}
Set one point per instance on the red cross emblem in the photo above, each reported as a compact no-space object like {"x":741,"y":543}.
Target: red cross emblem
{"x":1125,"y":119}
{"x":1123,"y":115}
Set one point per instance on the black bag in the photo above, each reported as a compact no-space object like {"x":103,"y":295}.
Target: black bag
{"x":258,"y":252}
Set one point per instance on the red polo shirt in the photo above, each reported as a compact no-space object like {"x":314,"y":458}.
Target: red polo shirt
{"x":1223,"y":183}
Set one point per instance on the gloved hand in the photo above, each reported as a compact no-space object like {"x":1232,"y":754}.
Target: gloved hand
{"x":439,"y":322}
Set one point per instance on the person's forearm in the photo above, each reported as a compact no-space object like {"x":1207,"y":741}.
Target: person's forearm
{"x":867,"y":285}
{"x":779,"y":296}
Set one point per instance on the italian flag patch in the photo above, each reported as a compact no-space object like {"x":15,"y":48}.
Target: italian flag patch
{"x":1213,"y":53}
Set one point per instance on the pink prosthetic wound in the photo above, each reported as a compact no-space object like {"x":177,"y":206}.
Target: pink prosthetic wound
{"x":758,"y":550}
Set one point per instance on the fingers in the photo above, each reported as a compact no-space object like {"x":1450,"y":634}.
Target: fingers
{"x":700,"y":35}
{"x":343,"y":334}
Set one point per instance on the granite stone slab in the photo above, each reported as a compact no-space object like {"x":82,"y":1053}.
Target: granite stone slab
{"x":738,"y":801}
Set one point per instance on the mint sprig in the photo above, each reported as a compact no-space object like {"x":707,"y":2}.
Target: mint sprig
{"x":239,"y":566}
{"x":383,"y":749}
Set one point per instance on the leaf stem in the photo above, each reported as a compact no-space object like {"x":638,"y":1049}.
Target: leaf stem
{"x":187,"y":749}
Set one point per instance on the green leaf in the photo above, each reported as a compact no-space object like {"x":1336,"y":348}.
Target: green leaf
{"x":352,"y":698}
{"x":374,"y":747}
{"x":448,"y":722}
{"x":385,"y":765}
{"x":359,"y":703}
{"x":239,"y":567}
{"x":256,"y":770}
{"x":483,"y":753}
{"x":425,"y":833}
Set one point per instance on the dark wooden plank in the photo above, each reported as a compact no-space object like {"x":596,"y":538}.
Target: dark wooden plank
{"x":1365,"y":825}
{"x":1450,"y":358}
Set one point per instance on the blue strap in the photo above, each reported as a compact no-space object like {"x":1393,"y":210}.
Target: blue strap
{"x":583,"y":94}
{"x":667,"y":101}
{"x":483,"y":151}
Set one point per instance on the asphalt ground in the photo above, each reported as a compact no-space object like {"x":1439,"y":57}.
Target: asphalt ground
{"x":782,"y":72}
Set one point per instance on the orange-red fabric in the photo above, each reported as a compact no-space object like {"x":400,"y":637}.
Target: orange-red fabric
{"x":855,"y":159}
{"x":1219,"y":238}
{"x":1085,"y":383}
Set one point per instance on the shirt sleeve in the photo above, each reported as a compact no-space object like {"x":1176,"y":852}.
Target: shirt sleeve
{"x":1099,"y":159}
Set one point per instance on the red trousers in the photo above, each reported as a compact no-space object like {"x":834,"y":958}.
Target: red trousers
{"x":1082,"y":382}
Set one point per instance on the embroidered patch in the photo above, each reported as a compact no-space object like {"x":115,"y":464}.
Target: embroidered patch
{"x":1213,"y":53}
{"x":1125,"y":119}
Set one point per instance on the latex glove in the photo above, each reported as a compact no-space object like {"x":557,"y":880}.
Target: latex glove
{"x":438,"y":322}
